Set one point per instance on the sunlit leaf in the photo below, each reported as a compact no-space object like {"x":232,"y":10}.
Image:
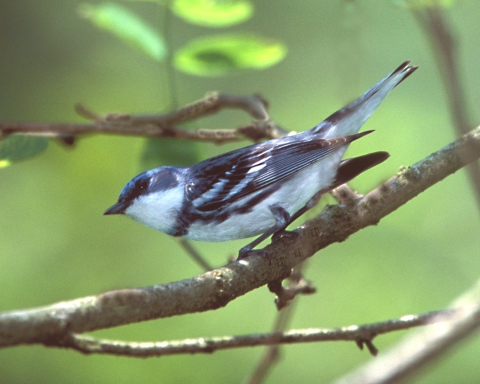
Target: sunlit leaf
{"x":213,"y":13}
{"x":127,"y":26}
{"x":158,"y":152}
{"x":19,"y":147}
{"x":425,"y":3}
{"x":5,"y":163}
{"x":224,"y":54}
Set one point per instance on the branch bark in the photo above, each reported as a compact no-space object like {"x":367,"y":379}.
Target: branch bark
{"x":162,"y":125}
{"x":52,"y":325}
{"x":420,"y":348}
{"x":433,"y":21}
{"x":361,"y":334}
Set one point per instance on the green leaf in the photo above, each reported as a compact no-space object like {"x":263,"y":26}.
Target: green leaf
{"x":19,"y":147}
{"x":158,"y":152}
{"x":425,"y":3}
{"x":224,"y":54}
{"x":5,"y":163}
{"x":127,"y":26}
{"x":213,"y":13}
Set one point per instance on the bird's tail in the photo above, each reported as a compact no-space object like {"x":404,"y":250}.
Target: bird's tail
{"x":349,"y":119}
{"x":351,"y":168}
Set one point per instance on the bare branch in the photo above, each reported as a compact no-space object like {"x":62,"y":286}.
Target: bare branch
{"x":434,"y":23}
{"x":360,"y":334}
{"x":272,"y":354}
{"x":298,"y":286}
{"x":194,"y":254}
{"x":162,"y":125}
{"x":215,"y":289}
{"x":420,"y":348}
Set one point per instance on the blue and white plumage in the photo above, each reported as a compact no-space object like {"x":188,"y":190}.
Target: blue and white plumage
{"x":259,"y":189}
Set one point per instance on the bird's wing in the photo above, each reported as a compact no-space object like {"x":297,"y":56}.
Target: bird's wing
{"x":224,"y":179}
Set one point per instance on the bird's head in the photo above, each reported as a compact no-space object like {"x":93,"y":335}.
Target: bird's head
{"x":152,"y":198}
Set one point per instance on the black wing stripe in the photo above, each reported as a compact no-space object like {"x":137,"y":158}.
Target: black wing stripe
{"x":294,"y":157}
{"x":234,"y":179}
{"x":278,"y":172}
{"x":297,"y":161}
{"x":239,"y":176}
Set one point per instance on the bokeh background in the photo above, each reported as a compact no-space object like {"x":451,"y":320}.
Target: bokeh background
{"x":56,"y":245}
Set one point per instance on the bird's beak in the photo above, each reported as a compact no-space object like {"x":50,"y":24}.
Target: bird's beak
{"x":117,"y":209}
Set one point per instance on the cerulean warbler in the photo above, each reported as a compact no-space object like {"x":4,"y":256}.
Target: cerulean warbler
{"x":259,"y":189}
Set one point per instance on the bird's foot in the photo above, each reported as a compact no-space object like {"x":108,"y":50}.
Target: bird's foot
{"x":283,"y":233}
{"x":248,"y":251}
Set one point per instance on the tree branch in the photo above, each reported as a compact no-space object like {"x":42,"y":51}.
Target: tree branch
{"x":272,"y":353}
{"x":194,"y":254}
{"x":162,"y":125}
{"x":421,"y":348}
{"x":51,"y":325}
{"x":360,"y":334}
{"x":434,"y":23}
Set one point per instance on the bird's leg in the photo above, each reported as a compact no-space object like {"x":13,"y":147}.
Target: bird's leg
{"x":282,"y":219}
{"x":310,"y":204}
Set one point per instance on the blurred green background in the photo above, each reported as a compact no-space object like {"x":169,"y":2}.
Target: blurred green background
{"x":56,"y":245}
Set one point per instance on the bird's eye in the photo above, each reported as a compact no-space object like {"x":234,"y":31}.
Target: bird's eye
{"x":140,"y":186}
{"x":134,"y":189}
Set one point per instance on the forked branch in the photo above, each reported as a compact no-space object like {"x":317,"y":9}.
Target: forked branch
{"x":165,"y":125}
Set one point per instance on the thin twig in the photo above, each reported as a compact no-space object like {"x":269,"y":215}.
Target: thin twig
{"x":271,"y":355}
{"x":89,"y":345}
{"x":169,"y":73}
{"x":420,"y":348}
{"x":298,"y":286}
{"x":433,"y":21}
{"x":162,"y":125}
{"x":193,"y":253}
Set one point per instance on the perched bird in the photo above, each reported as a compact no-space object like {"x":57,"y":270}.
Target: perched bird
{"x":259,"y":189}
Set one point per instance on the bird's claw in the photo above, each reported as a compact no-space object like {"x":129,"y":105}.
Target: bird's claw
{"x":283,"y":233}
{"x":247,"y":251}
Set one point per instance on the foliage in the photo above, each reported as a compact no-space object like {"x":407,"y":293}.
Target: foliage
{"x":121,"y":22}
{"x":18,"y":147}
{"x":210,"y":13}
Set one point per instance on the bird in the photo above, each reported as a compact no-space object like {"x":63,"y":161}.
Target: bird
{"x":257,"y":190}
